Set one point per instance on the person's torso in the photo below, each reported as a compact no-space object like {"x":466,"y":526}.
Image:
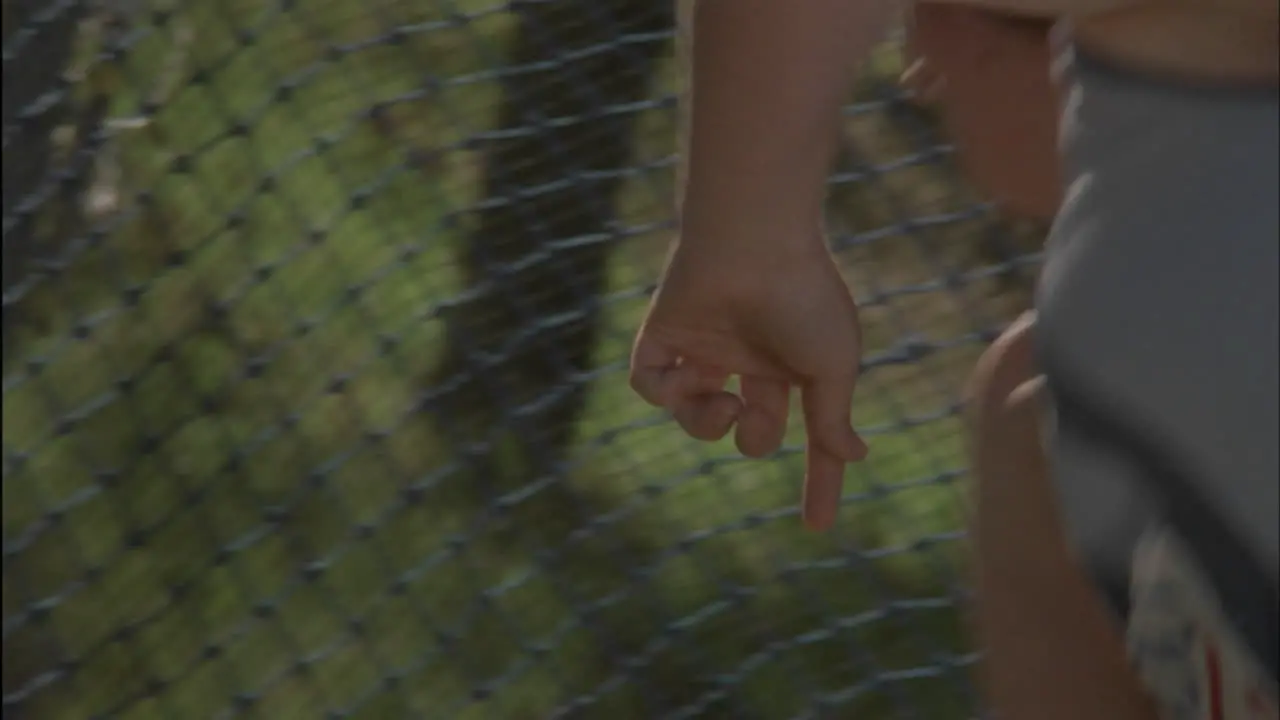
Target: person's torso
{"x":1224,"y":41}
{"x":1157,"y":328}
{"x":1195,"y":45}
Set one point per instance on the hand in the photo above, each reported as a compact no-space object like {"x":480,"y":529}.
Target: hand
{"x":778,"y":322}
{"x":989,"y":73}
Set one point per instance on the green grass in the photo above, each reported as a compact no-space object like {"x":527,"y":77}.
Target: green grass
{"x":313,"y":546}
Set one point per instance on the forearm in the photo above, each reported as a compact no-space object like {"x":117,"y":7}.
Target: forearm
{"x":1050,"y":649}
{"x":1266,"y":10}
{"x":1049,"y":9}
{"x":768,"y":82}
{"x":1262,"y":9}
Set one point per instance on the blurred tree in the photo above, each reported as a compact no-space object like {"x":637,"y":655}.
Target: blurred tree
{"x":52,"y":131}
{"x":534,"y":262}
{"x":35,"y":102}
{"x":49,"y":146}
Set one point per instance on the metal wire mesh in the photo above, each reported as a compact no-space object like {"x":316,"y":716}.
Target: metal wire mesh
{"x":316,"y":314}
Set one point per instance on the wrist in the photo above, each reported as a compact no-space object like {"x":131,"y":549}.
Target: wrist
{"x":727,"y":247}
{"x":750,"y":236}
{"x":770,"y":224}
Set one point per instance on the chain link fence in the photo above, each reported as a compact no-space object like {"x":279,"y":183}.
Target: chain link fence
{"x":316,"y":315}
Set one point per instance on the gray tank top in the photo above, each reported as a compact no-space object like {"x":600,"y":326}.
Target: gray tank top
{"x":1158,"y":326}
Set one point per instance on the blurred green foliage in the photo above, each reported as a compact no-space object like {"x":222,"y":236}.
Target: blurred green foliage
{"x":226,"y":494}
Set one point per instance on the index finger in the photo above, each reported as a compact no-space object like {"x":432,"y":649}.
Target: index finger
{"x":823,"y":486}
{"x":831,"y":444}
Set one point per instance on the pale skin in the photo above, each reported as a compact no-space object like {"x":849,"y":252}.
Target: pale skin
{"x":751,"y":292}
{"x":988,"y":76}
{"x":756,"y":294}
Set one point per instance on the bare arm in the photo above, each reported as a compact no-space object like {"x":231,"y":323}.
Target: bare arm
{"x":1057,"y":8}
{"x":999,"y":103}
{"x":768,"y":82}
{"x":1264,"y":9}
{"x":1051,"y":651}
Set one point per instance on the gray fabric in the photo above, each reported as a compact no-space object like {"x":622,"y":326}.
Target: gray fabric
{"x":1160,"y":298}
